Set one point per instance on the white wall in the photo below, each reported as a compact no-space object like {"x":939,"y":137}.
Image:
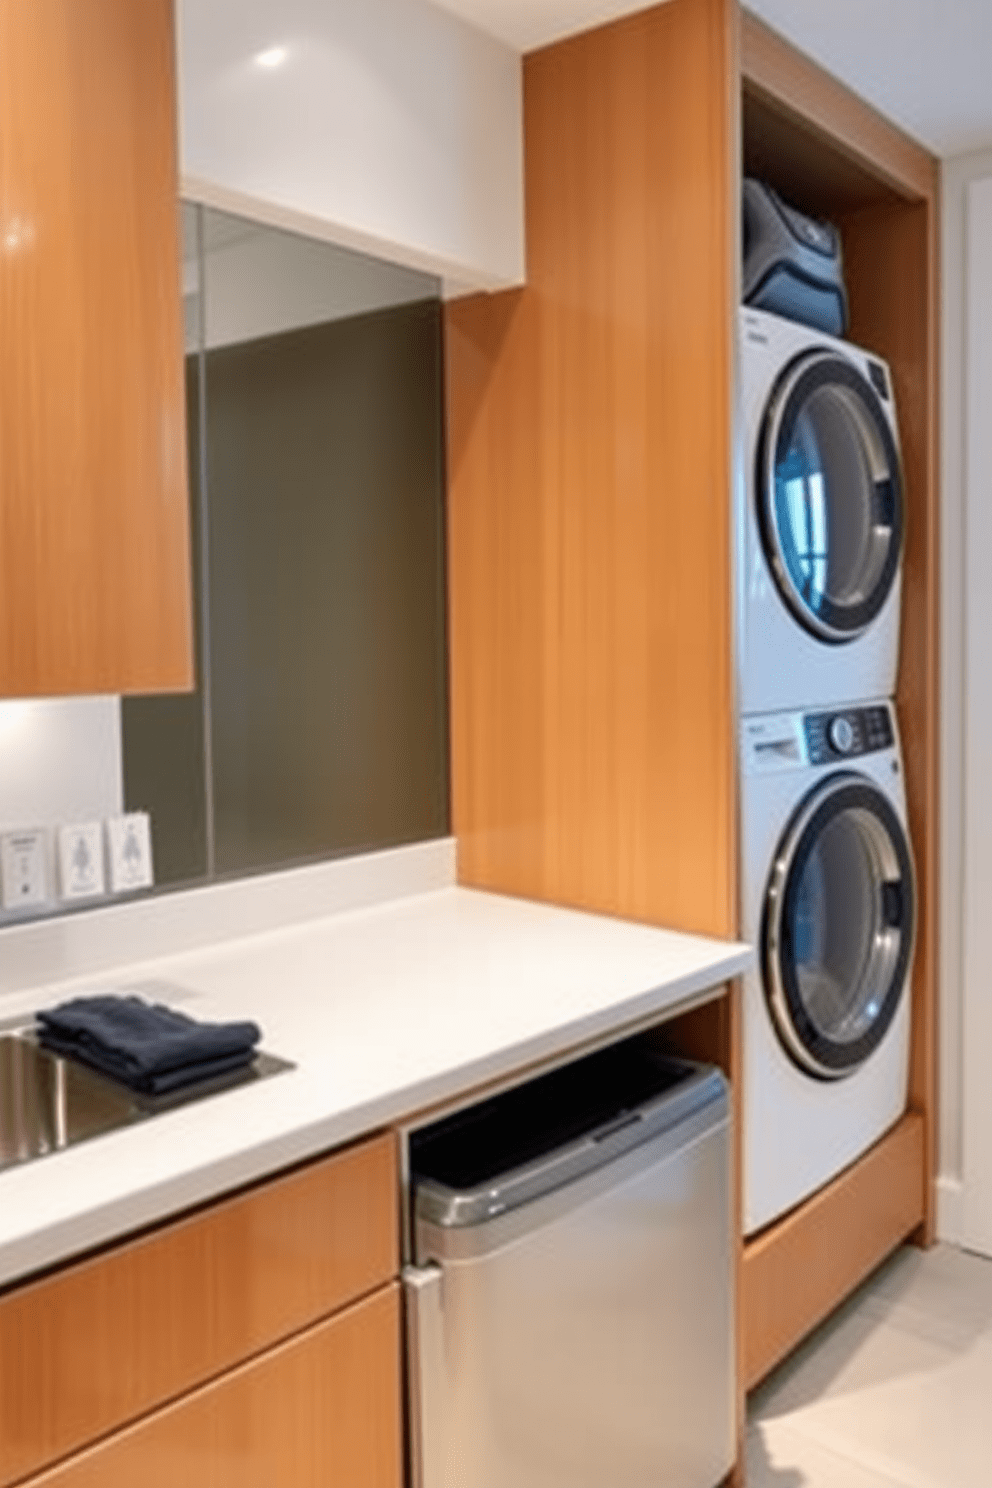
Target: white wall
{"x":260,"y":282}
{"x":61,"y":763}
{"x":391,"y":126}
{"x":957,"y":174}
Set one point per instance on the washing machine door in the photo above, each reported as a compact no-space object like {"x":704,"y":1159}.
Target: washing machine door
{"x":830,"y":496}
{"x":838,"y":926}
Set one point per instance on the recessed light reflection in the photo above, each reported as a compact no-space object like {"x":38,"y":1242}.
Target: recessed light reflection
{"x":16,"y":717}
{"x":16,"y":233}
{"x":271,"y":57}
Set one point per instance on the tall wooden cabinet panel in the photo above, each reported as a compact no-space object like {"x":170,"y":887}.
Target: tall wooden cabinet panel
{"x":589,"y":470}
{"x":94,"y":585}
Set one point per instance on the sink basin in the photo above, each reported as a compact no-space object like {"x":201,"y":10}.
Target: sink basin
{"x":48,"y":1102}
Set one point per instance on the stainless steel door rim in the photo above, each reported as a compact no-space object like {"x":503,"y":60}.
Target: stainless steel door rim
{"x":838,"y":926}
{"x":829,"y":492}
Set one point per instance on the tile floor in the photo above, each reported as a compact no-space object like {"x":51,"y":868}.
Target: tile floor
{"x":894,"y":1391}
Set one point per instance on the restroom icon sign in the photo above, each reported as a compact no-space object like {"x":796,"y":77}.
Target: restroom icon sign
{"x":129,"y":840}
{"x":81,"y":872}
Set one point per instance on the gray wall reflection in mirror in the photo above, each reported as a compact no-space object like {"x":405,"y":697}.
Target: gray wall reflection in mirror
{"x":314,"y":389}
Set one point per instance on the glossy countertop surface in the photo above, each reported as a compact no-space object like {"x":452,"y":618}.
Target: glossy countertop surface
{"x":383,"y":1011}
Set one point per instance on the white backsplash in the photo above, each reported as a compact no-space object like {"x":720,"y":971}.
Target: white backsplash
{"x":60,"y":763}
{"x":92,"y":948}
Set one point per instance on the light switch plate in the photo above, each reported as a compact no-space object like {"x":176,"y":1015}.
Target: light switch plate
{"x":81,"y":860}
{"x":22,"y":864}
{"x":130,"y":852}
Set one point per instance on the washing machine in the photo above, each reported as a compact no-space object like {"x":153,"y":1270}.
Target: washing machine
{"x":828,"y":900}
{"x":821,"y":520}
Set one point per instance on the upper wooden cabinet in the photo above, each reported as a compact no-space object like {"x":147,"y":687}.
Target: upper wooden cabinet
{"x":94,"y":544}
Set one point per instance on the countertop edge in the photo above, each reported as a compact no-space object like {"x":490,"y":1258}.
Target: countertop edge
{"x":116,"y":1218}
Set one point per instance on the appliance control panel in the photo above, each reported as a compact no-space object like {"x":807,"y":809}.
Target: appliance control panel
{"x":847,"y":733}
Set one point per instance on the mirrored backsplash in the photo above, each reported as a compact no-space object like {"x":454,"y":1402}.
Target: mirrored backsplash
{"x":319,"y":723}
{"x":319,"y":726}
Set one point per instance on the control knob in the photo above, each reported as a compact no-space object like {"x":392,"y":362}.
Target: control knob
{"x":840,"y":734}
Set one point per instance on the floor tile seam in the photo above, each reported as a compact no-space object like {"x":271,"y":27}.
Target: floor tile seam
{"x":941,"y":1355}
{"x":922,"y":1321}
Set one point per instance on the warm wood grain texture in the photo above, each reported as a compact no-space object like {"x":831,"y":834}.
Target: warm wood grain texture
{"x":804,"y":164}
{"x":819,"y":104}
{"x":97,"y":1344}
{"x":891,"y":257}
{"x":589,"y":479}
{"x":322,"y":1410}
{"x":797,"y":1271}
{"x":94,"y":581}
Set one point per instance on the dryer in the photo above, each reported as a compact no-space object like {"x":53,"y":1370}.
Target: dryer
{"x":821,"y":520}
{"x":828,"y":898}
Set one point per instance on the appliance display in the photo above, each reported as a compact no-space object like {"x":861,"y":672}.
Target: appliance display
{"x":821,"y":520}
{"x":828,"y":899}
{"x":570,"y":1309}
{"x":793,"y":265}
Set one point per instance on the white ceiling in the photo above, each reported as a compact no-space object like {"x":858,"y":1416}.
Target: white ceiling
{"x":926,"y":64}
{"x":526,"y":24}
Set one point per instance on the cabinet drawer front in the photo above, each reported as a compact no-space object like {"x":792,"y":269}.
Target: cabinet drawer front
{"x":93,"y":1346}
{"x":322,"y":1409}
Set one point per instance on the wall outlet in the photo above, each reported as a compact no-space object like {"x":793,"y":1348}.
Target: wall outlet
{"x":22,"y":867}
{"x":81,"y":860}
{"x":130,"y":852}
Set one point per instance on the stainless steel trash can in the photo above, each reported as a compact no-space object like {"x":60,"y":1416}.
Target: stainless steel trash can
{"x":570,"y":1309}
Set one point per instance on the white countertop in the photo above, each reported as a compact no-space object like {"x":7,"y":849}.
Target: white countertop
{"x":383,"y":1011}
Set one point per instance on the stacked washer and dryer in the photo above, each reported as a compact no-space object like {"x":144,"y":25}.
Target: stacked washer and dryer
{"x":827,"y":882}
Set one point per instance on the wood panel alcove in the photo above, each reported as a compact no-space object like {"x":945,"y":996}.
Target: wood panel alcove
{"x":590,"y":465}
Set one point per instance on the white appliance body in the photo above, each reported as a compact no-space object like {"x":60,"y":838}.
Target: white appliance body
{"x":828,"y":899}
{"x":820,"y":520}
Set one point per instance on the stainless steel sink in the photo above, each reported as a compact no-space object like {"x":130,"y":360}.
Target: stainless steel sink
{"x":48,"y":1102}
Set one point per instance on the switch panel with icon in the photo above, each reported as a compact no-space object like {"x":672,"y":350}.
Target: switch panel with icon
{"x":24,"y":869}
{"x":130,"y":843}
{"x":80,"y":849}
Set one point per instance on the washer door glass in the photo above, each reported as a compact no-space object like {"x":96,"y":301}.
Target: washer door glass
{"x":830,"y":497}
{"x":839,"y":920}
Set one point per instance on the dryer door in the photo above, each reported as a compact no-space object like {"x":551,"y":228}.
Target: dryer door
{"x":838,"y":926}
{"x":830,"y":496}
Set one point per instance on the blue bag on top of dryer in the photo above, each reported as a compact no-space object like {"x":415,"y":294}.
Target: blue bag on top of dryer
{"x":793,"y":264}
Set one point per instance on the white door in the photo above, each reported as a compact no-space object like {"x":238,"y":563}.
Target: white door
{"x":977,"y":906}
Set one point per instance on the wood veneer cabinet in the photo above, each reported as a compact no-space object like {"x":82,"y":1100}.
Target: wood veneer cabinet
{"x":589,"y":465}
{"x":591,"y":453}
{"x":283,"y":1296}
{"x":322,"y":1409}
{"x":94,"y":563}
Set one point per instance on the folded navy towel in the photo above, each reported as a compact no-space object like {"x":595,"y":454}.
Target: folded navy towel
{"x":148,"y":1046}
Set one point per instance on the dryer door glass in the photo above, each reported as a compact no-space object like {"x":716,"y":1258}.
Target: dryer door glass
{"x":830,"y":497}
{"x":839,"y":922}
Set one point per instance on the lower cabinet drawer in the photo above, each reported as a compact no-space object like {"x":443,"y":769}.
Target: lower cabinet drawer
{"x":320,"y":1410}
{"x":97,"y":1344}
